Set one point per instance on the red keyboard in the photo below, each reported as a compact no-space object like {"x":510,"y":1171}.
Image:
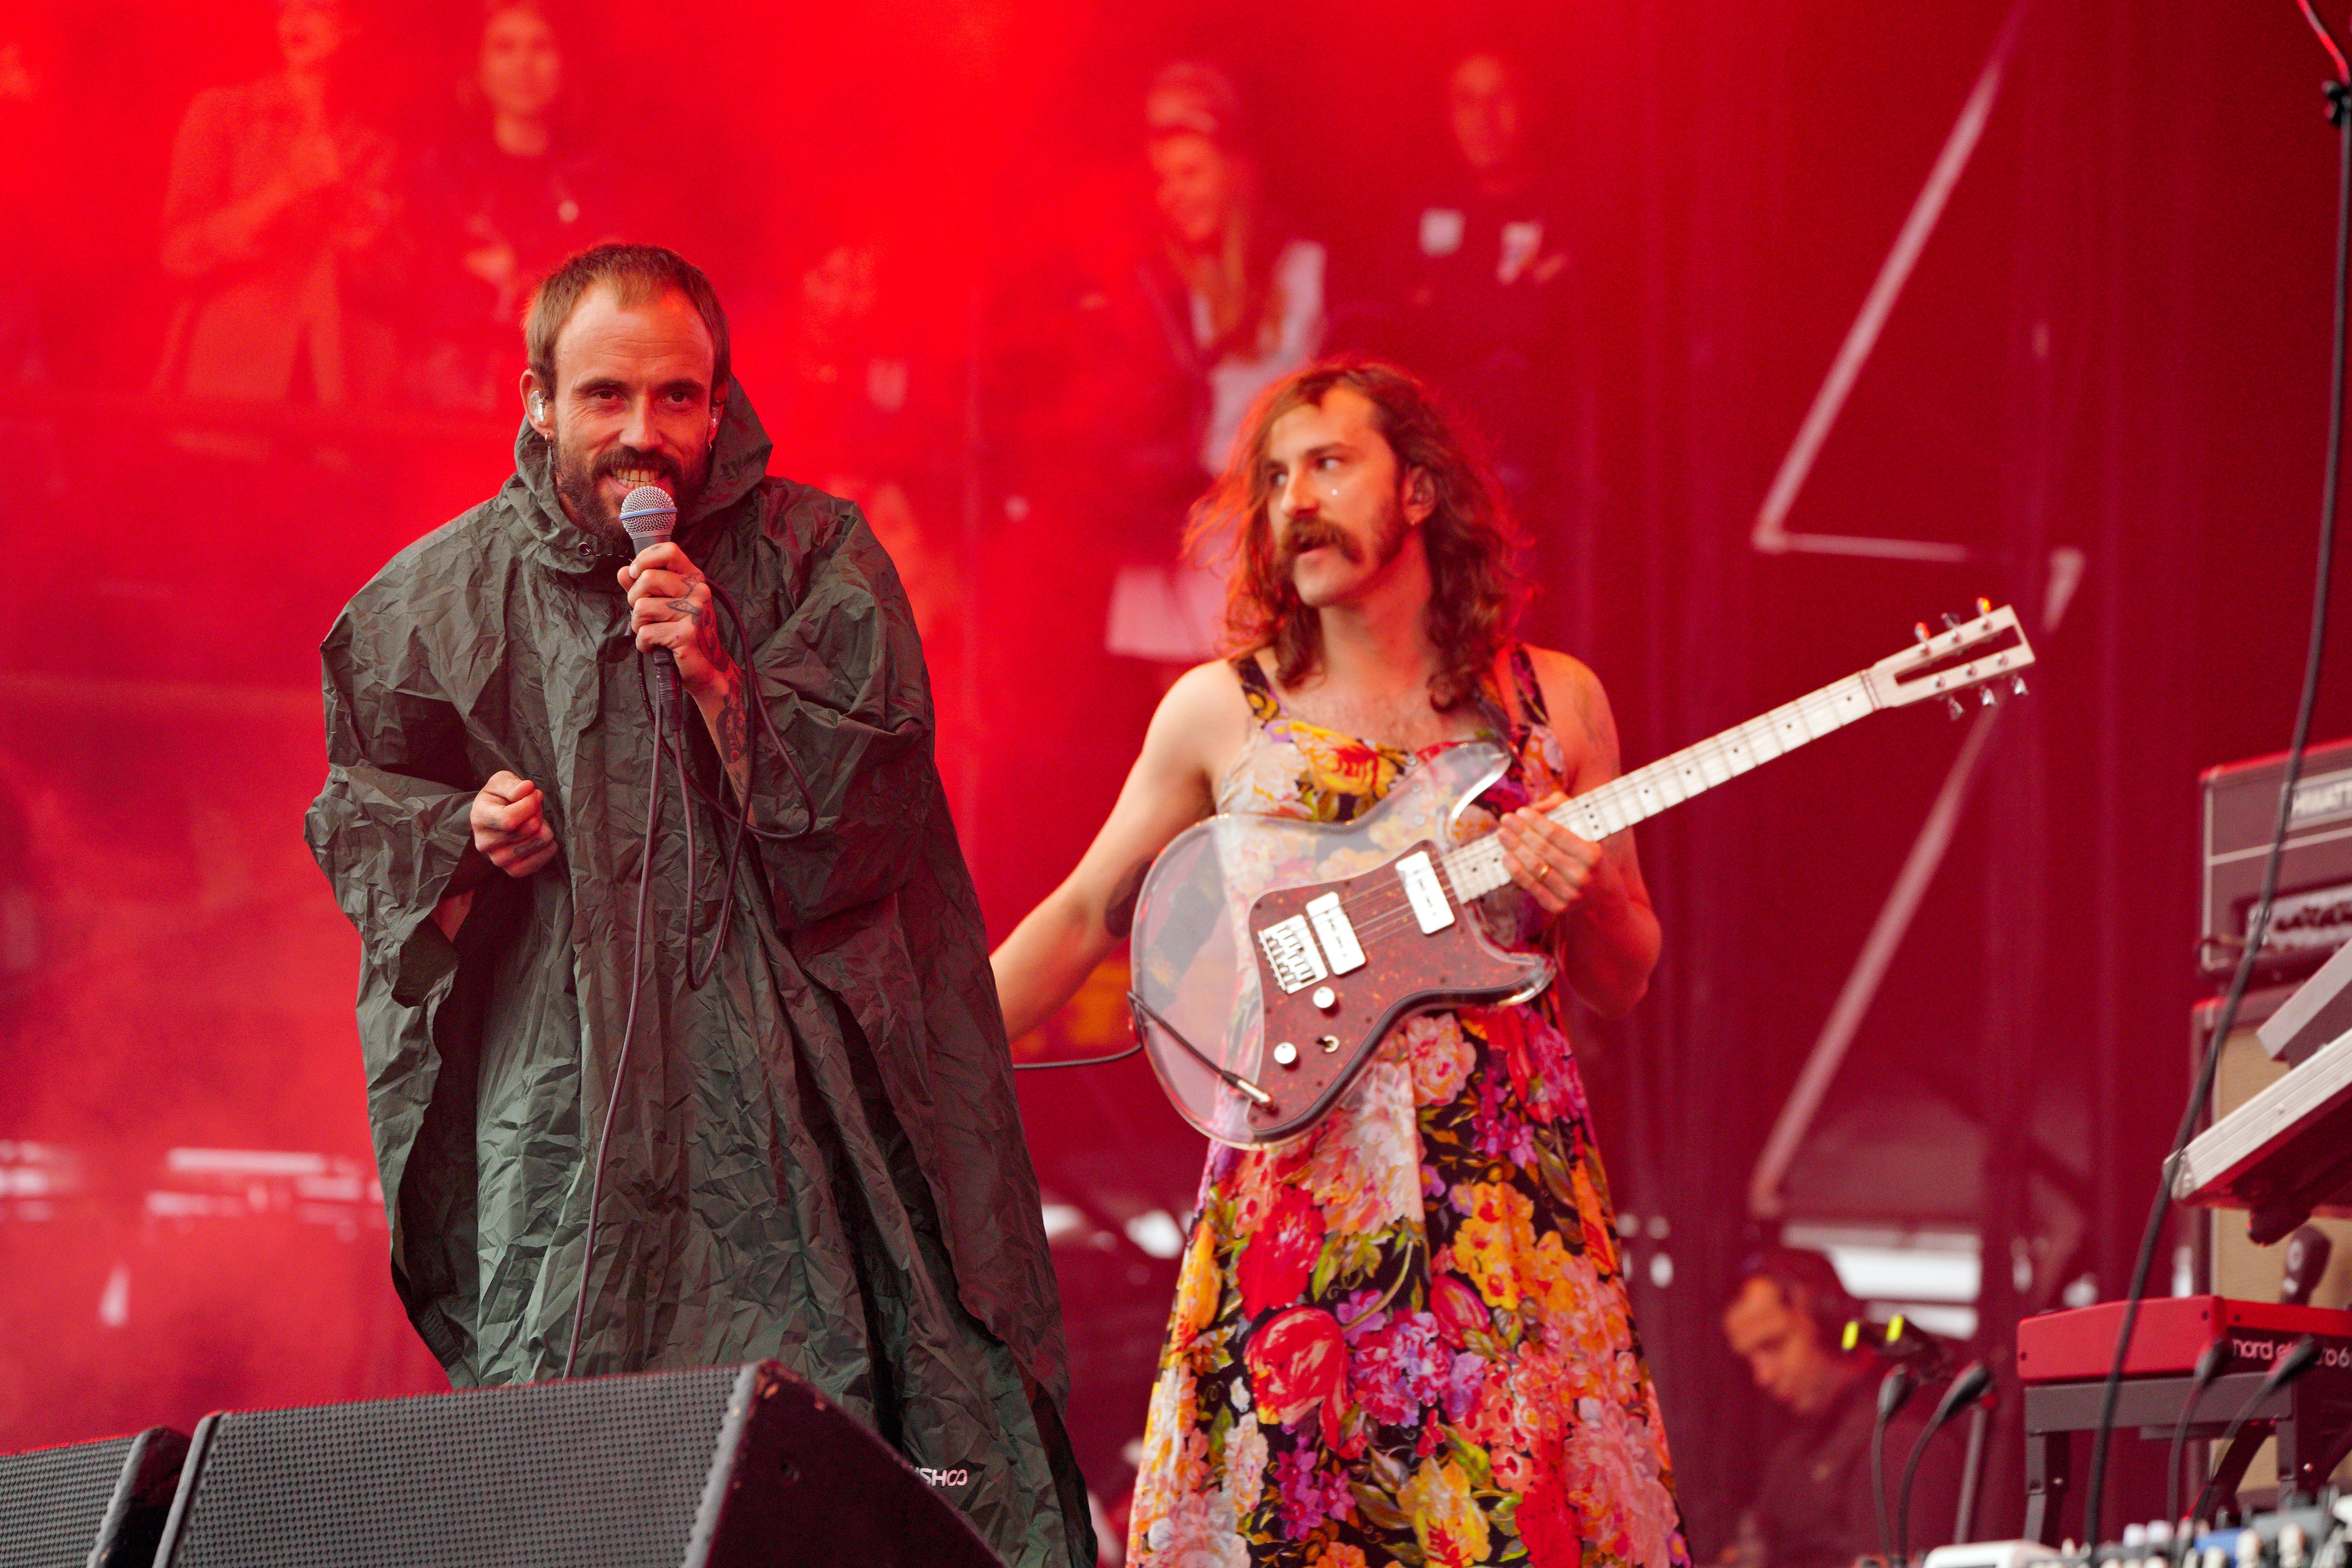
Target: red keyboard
{"x":2172,"y":1331}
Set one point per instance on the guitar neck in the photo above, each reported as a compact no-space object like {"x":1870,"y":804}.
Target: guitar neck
{"x":1477,"y":869}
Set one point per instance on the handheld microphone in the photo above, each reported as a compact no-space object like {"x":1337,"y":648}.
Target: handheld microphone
{"x":1894,"y":1392}
{"x":649,"y":515}
{"x":2292,"y":1364}
{"x":1974,"y":1382}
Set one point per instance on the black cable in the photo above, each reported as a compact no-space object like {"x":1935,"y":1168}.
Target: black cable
{"x":628,"y":1032}
{"x":2339,"y":113}
{"x":674,"y":749}
{"x":1974,"y":1381}
{"x":2292,"y":1364}
{"x":2209,"y":1367}
{"x":726,"y":602}
{"x":1894,"y":1390}
{"x":1079,"y":1061}
{"x":738,"y":814}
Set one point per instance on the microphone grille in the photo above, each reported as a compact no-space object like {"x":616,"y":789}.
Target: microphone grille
{"x":648,"y":514}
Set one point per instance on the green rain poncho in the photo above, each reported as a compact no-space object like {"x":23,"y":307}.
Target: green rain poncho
{"x":817,"y":1155}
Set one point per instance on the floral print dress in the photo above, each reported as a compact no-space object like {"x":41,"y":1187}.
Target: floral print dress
{"x":1404,"y":1336}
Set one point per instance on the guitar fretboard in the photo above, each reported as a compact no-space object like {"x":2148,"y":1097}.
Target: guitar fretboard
{"x":1477,"y":869}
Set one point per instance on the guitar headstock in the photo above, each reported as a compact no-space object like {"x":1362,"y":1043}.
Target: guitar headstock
{"x":1966,"y":655}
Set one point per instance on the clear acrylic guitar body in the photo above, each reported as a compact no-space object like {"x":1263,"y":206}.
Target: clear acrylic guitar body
{"x":1201,"y":983}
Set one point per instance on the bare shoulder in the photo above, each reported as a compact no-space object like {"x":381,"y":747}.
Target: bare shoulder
{"x":1206,"y":697}
{"x":1578,"y":709}
{"x":1201,"y":722}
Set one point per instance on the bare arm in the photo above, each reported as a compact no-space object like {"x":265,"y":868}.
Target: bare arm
{"x":1610,"y":934}
{"x":1201,"y":722}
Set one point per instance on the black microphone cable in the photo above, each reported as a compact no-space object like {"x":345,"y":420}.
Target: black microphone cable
{"x":2293,"y":1362}
{"x":2208,"y":1366}
{"x":1974,"y":1382}
{"x":621,"y":1061}
{"x":1894,"y":1392}
{"x":2339,"y":114}
{"x":670,"y":747}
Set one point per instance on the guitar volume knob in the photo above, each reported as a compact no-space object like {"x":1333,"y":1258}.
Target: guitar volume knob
{"x":1286,"y":1054}
{"x":1326,"y":998}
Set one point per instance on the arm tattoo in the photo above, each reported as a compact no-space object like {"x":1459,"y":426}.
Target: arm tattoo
{"x":734,"y":727}
{"x":731,"y":729}
{"x":707,"y":642}
{"x":1118,"y":915}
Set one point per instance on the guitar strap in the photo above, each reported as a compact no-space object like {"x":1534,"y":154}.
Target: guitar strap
{"x":1529,"y":695}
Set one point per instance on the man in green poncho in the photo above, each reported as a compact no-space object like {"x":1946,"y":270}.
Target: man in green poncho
{"x":814,"y":1150}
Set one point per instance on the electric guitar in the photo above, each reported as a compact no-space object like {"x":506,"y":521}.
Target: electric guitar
{"x":1272,"y":956}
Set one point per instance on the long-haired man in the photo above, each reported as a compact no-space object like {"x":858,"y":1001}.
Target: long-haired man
{"x":1406,"y":1330}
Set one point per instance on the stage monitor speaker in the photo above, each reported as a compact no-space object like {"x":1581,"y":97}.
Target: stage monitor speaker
{"x":731,"y":1466}
{"x":88,"y":1505}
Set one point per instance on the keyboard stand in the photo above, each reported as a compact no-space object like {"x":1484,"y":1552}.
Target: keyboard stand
{"x":2312,"y":1419}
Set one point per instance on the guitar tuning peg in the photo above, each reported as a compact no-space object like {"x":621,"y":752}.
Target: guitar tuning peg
{"x":1952,"y":622}
{"x":1952,"y":706}
{"x":1985,"y":692}
{"x":2017,"y":686}
{"x":1919,"y":630}
{"x":1984,"y":606}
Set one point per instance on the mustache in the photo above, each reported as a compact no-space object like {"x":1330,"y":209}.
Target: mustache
{"x":658,"y":463}
{"x":1316,"y":534}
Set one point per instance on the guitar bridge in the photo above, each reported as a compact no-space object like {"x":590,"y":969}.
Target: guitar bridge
{"x":1290,"y":951}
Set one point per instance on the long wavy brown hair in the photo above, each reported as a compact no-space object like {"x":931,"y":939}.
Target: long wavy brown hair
{"x":1474,"y":585}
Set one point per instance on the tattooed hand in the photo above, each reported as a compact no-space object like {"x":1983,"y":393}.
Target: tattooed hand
{"x":669,"y":606}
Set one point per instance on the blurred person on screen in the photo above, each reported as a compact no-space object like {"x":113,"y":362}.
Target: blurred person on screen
{"x":501,"y":203}
{"x":280,"y":219}
{"x":1236,"y":302}
{"x":1485,"y":272}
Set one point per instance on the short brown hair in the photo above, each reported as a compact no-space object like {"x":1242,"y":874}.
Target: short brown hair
{"x":1474,"y":588}
{"x":635,"y":273}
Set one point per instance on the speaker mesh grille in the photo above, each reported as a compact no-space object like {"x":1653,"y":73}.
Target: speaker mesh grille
{"x":606,"y":1471}
{"x":52,"y":1502}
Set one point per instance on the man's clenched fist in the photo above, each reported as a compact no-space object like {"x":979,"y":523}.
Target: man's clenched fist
{"x":510,"y":826}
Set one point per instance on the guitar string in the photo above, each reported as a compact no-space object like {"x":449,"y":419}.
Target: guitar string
{"x":1386,"y":909}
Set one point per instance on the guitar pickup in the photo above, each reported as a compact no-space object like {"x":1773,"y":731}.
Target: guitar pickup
{"x":1290,"y":951}
{"x":1430,"y":905}
{"x":1330,"y":923}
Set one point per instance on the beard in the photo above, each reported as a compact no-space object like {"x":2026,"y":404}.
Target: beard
{"x":578,"y":483}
